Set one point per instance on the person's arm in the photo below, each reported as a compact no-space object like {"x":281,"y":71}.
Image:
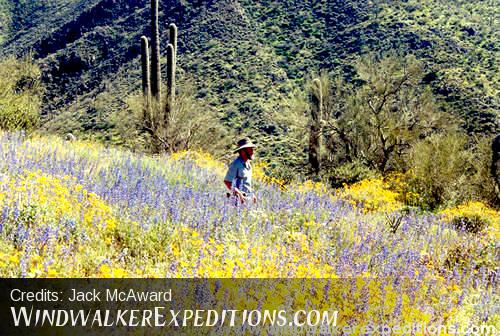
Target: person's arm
{"x":228,"y":181}
{"x":230,"y":175}
{"x":235,"y":191}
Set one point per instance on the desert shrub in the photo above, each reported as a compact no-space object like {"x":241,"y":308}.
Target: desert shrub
{"x":482,"y":183}
{"x":20,"y":92}
{"x":451,"y":169}
{"x":465,"y":255}
{"x":473,"y":223}
{"x":441,"y":166}
{"x":372,"y":195}
{"x":271,"y":174}
{"x":477,"y":247}
{"x":472,"y":217}
{"x":191,"y":125}
{"x":349,"y":173}
{"x":401,"y":184}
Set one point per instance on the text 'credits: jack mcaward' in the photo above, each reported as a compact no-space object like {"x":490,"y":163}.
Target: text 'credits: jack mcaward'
{"x":113,"y":295}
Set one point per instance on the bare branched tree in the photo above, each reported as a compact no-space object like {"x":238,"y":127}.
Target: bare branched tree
{"x":380,"y":120}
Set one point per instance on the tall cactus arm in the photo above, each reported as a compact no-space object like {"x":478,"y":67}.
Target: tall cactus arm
{"x":155,"y":50}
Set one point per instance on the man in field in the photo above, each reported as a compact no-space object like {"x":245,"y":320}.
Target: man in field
{"x":239,"y":175}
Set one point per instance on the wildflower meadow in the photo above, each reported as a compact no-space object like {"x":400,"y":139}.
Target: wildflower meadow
{"x":77,"y":209}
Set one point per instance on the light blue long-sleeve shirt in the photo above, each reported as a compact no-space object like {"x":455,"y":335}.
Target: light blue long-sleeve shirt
{"x":240,"y":174}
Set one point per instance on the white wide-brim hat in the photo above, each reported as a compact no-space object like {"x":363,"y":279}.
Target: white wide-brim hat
{"x":244,"y":143}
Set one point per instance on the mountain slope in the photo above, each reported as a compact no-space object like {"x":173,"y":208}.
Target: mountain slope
{"x":246,"y":57}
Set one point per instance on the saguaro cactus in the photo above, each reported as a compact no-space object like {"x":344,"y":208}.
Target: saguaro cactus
{"x":316,"y":97}
{"x":146,"y":84}
{"x":171,"y":66}
{"x":156,"y":117}
{"x":155,"y":51}
{"x":172,"y":28}
{"x":170,"y":78}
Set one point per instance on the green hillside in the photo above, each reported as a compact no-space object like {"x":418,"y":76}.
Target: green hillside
{"x":459,"y":39}
{"x":249,"y":59}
